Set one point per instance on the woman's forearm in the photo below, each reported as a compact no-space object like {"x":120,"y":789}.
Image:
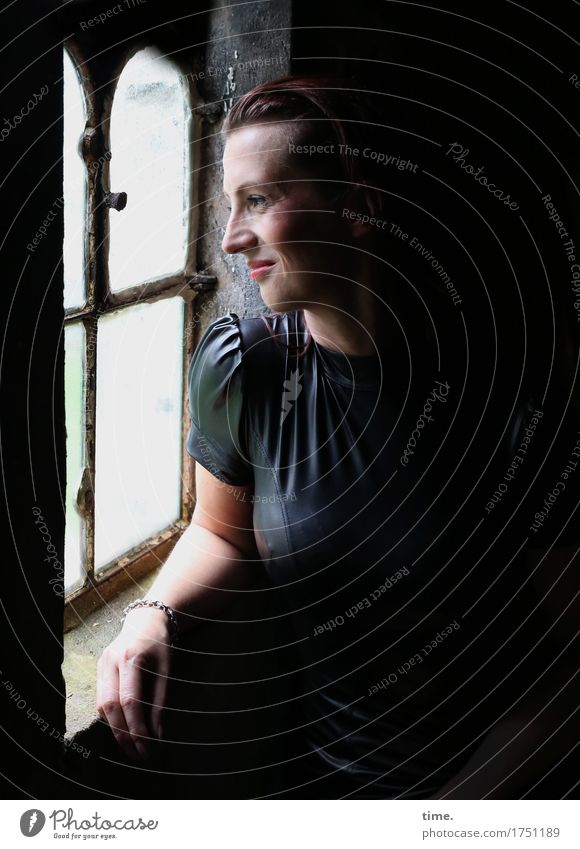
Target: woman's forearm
{"x":201,"y":575}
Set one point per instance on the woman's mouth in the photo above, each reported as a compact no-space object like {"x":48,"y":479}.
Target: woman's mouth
{"x":258,"y":268}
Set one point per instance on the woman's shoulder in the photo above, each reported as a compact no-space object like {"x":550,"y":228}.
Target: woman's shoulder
{"x":233,"y":346}
{"x":230,"y":338}
{"x":221,"y":336}
{"x":213,"y":366}
{"x":215,"y":438}
{"x":227,"y":333}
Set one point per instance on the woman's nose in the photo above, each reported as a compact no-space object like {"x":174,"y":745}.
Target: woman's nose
{"x":239,"y":235}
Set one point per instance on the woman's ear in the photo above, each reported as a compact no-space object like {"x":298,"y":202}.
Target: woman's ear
{"x":358,"y":208}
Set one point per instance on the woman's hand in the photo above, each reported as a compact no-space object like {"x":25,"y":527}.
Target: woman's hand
{"x":132,"y":676}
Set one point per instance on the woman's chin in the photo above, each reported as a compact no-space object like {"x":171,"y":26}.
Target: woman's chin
{"x":278,"y":298}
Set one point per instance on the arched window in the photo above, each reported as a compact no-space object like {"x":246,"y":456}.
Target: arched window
{"x":149,"y":123}
{"x":128,"y":261}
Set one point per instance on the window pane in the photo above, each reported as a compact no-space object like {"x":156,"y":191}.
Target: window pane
{"x":74,"y":560}
{"x":148,"y":145}
{"x":74,"y":188}
{"x":138,"y":427}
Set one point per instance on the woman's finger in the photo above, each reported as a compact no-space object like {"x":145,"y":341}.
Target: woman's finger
{"x":159,"y":697}
{"x":109,"y":707}
{"x":132,"y":699}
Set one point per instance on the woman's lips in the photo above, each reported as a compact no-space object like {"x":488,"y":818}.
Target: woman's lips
{"x":258,"y":269}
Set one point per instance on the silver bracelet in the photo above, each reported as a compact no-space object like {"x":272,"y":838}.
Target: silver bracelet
{"x":169,"y":612}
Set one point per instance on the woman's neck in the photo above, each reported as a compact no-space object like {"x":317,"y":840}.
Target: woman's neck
{"x":357,"y":329}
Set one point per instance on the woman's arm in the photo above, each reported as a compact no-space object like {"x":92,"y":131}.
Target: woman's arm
{"x":215,"y":554}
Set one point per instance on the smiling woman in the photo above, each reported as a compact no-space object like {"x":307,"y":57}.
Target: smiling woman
{"x":288,"y":161}
{"x":299,"y":421}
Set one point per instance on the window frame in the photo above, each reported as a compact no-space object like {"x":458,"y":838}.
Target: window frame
{"x":99,"y":301}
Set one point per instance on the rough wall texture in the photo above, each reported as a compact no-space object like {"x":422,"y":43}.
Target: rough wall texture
{"x":246,"y":45}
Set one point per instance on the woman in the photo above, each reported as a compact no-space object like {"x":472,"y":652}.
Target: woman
{"x":334,"y":433}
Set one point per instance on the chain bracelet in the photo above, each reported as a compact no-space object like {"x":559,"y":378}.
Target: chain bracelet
{"x":169,"y":612}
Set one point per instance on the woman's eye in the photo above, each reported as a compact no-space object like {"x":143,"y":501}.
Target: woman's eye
{"x":257,"y":200}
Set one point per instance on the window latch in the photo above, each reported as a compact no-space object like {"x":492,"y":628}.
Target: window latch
{"x":116,"y":200}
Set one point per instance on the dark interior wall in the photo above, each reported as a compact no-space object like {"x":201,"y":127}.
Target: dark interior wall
{"x":31,"y":399}
{"x":489,"y":86}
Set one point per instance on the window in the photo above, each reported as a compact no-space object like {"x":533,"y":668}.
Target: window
{"x":129,"y":282}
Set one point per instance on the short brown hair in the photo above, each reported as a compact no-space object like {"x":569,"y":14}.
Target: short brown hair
{"x":326,"y":111}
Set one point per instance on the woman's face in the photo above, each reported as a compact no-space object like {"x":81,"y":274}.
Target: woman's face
{"x":294,"y":241}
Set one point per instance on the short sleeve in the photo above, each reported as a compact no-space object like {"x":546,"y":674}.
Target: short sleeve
{"x":216,"y":435}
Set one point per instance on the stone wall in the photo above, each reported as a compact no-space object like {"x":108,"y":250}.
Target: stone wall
{"x":246,"y":45}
